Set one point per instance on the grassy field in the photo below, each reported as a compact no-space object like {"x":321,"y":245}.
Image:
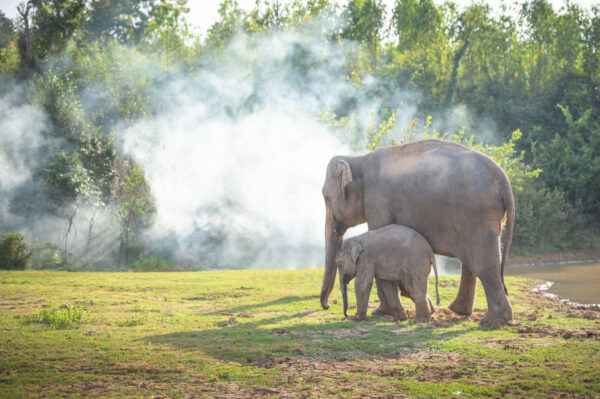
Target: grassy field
{"x":262,"y":333}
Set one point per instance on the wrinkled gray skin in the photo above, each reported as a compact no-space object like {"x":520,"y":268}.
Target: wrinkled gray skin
{"x":398,"y":257}
{"x":455,"y":197}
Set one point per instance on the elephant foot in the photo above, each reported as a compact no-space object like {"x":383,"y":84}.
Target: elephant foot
{"x":422,"y":319}
{"x":400,"y":316}
{"x":381,"y":311}
{"x":358,"y":317}
{"x":496,"y":320}
{"x":461,"y":308}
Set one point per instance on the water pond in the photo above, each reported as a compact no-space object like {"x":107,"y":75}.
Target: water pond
{"x":574,"y":282}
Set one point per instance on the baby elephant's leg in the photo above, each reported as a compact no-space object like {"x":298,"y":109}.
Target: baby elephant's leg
{"x":422,"y":305}
{"x":390,"y":291}
{"x":384,"y":307}
{"x":432,"y":308}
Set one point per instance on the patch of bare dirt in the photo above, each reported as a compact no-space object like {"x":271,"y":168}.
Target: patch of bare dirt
{"x":229,"y":322}
{"x":551,"y":331}
{"x":423,"y":365}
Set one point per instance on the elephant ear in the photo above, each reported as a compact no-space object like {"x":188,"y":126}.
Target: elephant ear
{"x":345,"y":174}
{"x":355,"y":252}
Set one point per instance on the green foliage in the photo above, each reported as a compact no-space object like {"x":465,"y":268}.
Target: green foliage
{"x":7,"y":31}
{"x":222,"y":31}
{"x":56,"y":93}
{"x":68,"y":180}
{"x":124,"y":20}
{"x":167,"y":31}
{"x":134,"y":213}
{"x":14,"y":253}
{"x":46,"y":256}
{"x":364,"y":20}
{"x":55,"y":22}
{"x":153,"y":264}
{"x":544,"y":220}
{"x":571,"y":163}
{"x":417,"y":23}
{"x":60,"y":317}
{"x":10,"y":61}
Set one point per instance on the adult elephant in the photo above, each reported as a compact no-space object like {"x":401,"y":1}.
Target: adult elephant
{"x":457,"y":198}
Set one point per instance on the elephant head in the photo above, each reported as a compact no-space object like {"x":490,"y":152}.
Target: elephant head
{"x":343,"y":195}
{"x":347,"y":260}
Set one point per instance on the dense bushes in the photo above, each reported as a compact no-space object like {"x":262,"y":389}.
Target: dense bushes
{"x":14,"y":253}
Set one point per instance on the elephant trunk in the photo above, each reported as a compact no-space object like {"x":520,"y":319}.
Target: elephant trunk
{"x":344,"y":287}
{"x":333,"y":240}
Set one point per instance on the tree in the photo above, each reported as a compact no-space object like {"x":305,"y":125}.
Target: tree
{"x":417,"y":23}
{"x":571,"y":163}
{"x":7,"y":31}
{"x":134,"y":213}
{"x":167,"y":30}
{"x":69,"y":184}
{"x":364,"y":21}
{"x":125,"y":20}
{"x":472,"y":22}
{"x":25,"y":36}
{"x":222,"y":31}
{"x":54,"y":23}
{"x":539,"y":26}
{"x":14,"y":254}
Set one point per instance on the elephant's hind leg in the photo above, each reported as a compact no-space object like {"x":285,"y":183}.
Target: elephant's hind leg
{"x":384,"y":307}
{"x":463,"y":303}
{"x":499,"y":309}
{"x":390,"y":291}
{"x":423,"y":312}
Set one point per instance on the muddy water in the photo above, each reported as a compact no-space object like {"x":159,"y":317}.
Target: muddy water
{"x":575,"y":282}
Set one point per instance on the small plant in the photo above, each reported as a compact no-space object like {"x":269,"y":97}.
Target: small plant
{"x":140,"y":317}
{"x":64,"y":316}
{"x":14,"y":254}
{"x":153,"y":264}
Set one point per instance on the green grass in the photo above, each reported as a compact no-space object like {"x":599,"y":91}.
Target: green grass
{"x":263,"y":333}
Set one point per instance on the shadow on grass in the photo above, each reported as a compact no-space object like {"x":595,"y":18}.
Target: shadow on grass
{"x":261,"y":305}
{"x":263,"y":339}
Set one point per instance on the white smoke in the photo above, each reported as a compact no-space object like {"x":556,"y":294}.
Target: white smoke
{"x":21,"y":138}
{"x":245,"y":184}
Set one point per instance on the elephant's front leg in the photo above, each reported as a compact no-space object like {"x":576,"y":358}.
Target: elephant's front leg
{"x":362,"y":287}
{"x":384,"y":307}
{"x":463,"y":304}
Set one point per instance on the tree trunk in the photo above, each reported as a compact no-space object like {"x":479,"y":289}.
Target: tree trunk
{"x":453,"y":77}
{"x":28,"y":60}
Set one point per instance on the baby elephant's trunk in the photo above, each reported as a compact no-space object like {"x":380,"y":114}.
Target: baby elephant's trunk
{"x":344,"y":287}
{"x":437,"y":294}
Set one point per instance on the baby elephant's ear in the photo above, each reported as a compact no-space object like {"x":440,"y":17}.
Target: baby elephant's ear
{"x":356,"y":251}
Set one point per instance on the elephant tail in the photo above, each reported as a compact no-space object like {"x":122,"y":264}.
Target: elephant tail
{"x":509,"y":207}
{"x":437,"y":293}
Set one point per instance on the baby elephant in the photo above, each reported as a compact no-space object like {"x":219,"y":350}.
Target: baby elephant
{"x":397,"y":256}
